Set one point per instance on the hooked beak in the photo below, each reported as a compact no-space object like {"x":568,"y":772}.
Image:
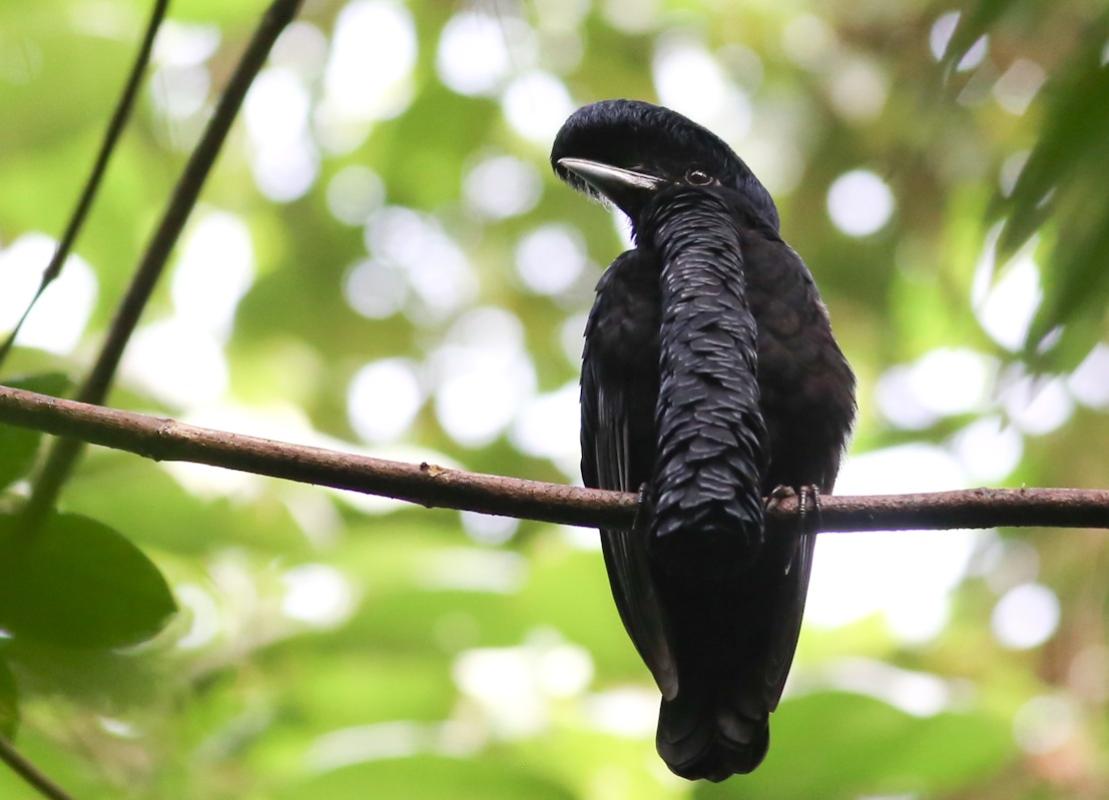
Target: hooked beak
{"x":626,"y":188}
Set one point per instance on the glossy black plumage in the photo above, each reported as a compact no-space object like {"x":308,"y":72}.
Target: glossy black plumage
{"x":710,"y":374}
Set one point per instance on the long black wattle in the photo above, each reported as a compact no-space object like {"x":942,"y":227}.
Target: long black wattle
{"x":711,"y":458}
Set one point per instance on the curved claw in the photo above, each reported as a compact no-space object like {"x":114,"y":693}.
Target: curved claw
{"x":808,"y":511}
{"x":642,"y":507}
{"x":808,"y":508}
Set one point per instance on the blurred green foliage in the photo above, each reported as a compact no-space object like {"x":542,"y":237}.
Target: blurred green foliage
{"x":331,"y":647}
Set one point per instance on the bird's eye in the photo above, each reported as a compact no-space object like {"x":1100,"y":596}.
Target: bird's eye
{"x":698,"y":177}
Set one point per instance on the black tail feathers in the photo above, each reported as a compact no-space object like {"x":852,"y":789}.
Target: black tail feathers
{"x":700,"y":738}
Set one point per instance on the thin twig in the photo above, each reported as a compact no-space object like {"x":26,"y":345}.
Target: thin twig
{"x":432,"y":486}
{"x":30,"y":773}
{"x":92,"y":185}
{"x":65,"y":452}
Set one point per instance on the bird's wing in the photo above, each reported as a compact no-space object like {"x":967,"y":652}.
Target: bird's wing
{"x":618,"y":391}
{"x":808,"y":401}
{"x":788,"y":606}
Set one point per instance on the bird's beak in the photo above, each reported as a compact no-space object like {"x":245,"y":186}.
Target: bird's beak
{"x":626,"y":188}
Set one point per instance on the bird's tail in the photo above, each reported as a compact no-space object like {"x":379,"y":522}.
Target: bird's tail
{"x":699,"y":736}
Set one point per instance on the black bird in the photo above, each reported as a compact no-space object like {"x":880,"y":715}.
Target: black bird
{"x":710,"y":378}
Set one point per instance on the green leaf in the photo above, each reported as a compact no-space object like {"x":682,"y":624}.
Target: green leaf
{"x":976,"y":23}
{"x":429,"y":776}
{"x":1063,"y":182}
{"x":854,"y":745}
{"x":19,"y":445}
{"x":9,"y":702}
{"x":78,"y":583}
{"x":1072,"y":142}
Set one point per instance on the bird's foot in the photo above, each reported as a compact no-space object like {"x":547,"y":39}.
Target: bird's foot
{"x":808,"y":508}
{"x":808,"y":517}
{"x":777,"y":495}
{"x":642,"y":508}
{"x":808,"y":505}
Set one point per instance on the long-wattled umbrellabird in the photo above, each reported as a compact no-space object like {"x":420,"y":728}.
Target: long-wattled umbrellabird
{"x":710,"y":379}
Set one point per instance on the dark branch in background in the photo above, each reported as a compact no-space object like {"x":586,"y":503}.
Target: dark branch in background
{"x":428,"y":485}
{"x":65,"y":452}
{"x":30,"y":773}
{"x":92,"y":185}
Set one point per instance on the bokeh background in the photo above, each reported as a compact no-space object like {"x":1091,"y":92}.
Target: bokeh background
{"x":383,"y":262}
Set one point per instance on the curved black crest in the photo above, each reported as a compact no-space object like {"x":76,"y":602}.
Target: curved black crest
{"x":636,"y":135}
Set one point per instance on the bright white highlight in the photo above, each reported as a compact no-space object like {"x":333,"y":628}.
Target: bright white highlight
{"x":1037,"y":405}
{"x":514,"y":685}
{"x":282,"y":155}
{"x":473,"y":570}
{"x":1089,"y":383}
{"x":383,"y":399}
{"x":488,"y":529}
{"x":61,"y":314}
{"x":1015,"y":90}
{"x":550,"y":259}
{"x":1026,"y":616}
{"x":474,"y":57}
{"x":483,"y":376}
{"x":975,"y":55}
{"x":301,"y":47}
{"x":501,"y":186}
{"x":859,"y":203}
{"x":354,"y":193}
{"x":907,"y":578}
{"x":364,"y":743}
{"x":916,"y":693}
{"x":215,"y":270}
{"x":547,"y":427}
{"x":689,"y":80}
{"x":180,"y":44}
{"x":535,"y":105}
{"x":988,"y":449}
{"x":628,"y":711}
{"x":369,"y":74}
{"x":276,"y":107}
{"x":944,"y":382}
{"x":181,"y":82}
{"x":436,"y":268}
{"x":178,"y":361}
{"x":318,"y":595}
{"x":180,"y":92}
{"x":375,"y":289}
{"x":942,"y":31}
{"x":286,"y":172}
{"x":205,"y":621}
{"x":1005,"y":309}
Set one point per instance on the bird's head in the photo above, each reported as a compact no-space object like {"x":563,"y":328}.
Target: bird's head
{"x":627,"y":151}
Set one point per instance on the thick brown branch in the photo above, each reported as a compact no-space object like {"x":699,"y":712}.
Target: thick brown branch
{"x":428,"y":485}
{"x":30,"y":773}
{"x":92,"y":184}
{"x":65,"y":452}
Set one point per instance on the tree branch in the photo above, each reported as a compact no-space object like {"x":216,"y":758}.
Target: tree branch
{"x":432,"y":486}
{"x":30,"y":773}
{"x":65,"y":452}
{"x":92,"y":184}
